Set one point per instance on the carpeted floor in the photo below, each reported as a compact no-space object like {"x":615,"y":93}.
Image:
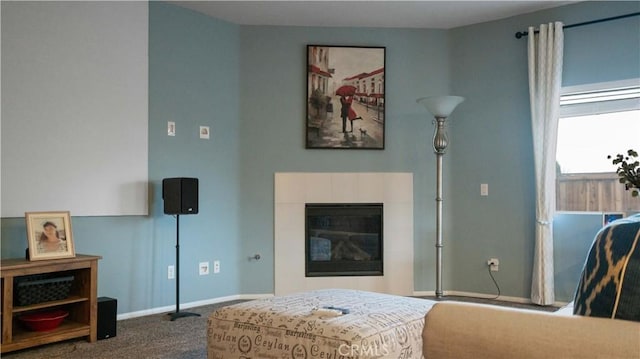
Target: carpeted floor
{"x":157,"y":337}
{"x":153,"y":336}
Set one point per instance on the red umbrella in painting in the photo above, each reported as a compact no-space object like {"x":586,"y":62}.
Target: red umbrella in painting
{"x":346,"y":90}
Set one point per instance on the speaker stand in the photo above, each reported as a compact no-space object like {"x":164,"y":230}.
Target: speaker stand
{"x":178,"y":314}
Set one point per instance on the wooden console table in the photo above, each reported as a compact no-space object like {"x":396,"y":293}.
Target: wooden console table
{"x":81,"y":303}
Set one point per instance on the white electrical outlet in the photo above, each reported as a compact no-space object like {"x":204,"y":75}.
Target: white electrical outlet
{"x":171,"y":272}
{"x":204,"y":268}
{"x":216,"y":267}
{"x":494,"y":264}
{"x":484,"y":189}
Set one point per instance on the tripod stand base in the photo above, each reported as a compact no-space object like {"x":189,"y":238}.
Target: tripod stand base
{"x":177,"y":315}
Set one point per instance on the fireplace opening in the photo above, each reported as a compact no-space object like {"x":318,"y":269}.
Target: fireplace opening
{"x":343,"y":239}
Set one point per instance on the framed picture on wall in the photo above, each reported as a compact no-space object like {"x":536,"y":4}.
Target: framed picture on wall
{"x":49,"y":235}
{"x":345,"y":97}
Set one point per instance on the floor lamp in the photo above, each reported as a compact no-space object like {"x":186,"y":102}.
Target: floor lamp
{"x":440,"y":107}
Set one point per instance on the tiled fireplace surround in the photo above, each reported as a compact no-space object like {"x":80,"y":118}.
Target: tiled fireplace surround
{"x":294,"y":190}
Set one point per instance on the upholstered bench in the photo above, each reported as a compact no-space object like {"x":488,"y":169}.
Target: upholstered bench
{"x":374,"y":325}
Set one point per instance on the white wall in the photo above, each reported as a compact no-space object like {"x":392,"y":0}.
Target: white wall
{"x":75,"y":108}
{"x":0,"y":118}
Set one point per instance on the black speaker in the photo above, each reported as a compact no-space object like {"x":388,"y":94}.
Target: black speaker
{"x":107,"y":310}
{"x":180,"y":195}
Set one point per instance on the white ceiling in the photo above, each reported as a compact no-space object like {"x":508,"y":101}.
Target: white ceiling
{"x":406,"y":14}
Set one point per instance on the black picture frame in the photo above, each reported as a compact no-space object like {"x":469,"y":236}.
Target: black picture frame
{"x":345,"y":97}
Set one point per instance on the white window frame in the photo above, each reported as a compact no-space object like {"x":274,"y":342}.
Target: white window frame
{"x":584,"y":100}
{"x":601,"y":106}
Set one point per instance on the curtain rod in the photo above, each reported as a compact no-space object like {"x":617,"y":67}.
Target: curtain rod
{"x":520,"y":34}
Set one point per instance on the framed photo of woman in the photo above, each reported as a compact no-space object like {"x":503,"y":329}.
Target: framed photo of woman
{"x":49,"y":235}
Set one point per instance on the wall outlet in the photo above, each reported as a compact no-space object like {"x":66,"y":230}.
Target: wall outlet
{"x":494,"y":264}
{"x":203,"y":268}
{"x":171,"y":272}
{"x":216,"y":267}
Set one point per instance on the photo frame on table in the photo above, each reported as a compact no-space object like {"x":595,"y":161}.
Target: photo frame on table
{"x":49,"y":235}
{"x":345,"y":97}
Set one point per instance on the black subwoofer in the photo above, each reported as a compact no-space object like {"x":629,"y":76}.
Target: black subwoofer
{"x":107,"y":310}
{"x":180,"y":195}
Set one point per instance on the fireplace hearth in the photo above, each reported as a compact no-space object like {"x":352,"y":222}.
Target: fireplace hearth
{"x":344,"y":239}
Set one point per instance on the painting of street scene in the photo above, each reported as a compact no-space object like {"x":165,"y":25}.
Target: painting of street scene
{"x":345,"y":97}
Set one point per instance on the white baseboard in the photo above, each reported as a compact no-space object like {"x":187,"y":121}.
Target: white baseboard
{"x":199,"y":303}
{"x":483,"y":296}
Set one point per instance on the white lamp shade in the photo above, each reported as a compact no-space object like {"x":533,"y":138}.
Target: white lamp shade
{"x":440,"y":106}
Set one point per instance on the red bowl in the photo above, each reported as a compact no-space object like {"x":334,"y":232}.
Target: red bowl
{"x":44,"y":321}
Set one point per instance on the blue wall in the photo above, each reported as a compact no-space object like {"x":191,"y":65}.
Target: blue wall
{"x":248,"y":83}
{"x":194,"y":81}
{"x":492,"y":143}
{"x":273,"y":105}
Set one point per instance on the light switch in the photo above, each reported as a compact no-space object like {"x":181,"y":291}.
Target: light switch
{"x":171,"y":128}
{"x":204,"y":132}
{"x":484,"y":189}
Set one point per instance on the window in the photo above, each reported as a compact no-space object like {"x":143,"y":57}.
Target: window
{"x":596,"y":121}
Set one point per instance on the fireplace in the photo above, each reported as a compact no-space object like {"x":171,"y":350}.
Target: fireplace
{"x":343,"y":239}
